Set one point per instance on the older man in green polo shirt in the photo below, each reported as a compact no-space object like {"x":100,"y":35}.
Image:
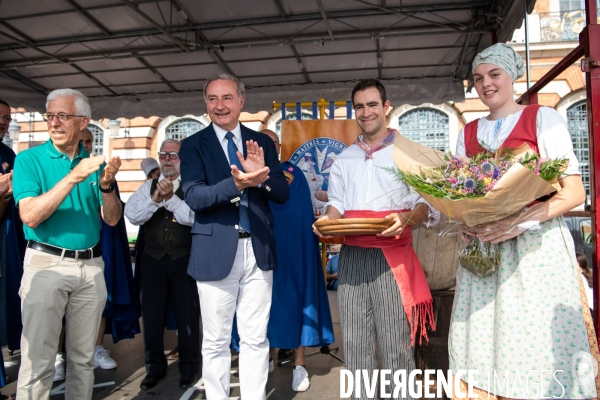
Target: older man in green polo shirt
{"x":59,"y":189}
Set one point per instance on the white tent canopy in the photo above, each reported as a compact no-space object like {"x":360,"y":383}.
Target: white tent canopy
{"x":152,"y":57}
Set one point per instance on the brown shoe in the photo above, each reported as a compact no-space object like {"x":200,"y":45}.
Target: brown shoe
{"x":174,"y":354}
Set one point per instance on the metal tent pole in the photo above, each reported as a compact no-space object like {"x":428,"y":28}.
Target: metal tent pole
{"x":527,"y":44}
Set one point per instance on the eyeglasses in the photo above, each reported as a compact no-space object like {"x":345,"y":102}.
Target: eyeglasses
{"x":5,"y":118}
{"x":173,"y":155}
{"x":62,"y":117}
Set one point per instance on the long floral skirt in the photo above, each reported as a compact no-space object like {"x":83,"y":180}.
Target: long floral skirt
{"x":526,"y":329}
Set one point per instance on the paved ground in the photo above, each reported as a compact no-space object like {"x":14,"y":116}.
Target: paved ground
{"x":123,"y":383}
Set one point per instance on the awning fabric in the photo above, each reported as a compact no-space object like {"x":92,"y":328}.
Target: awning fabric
{"x":152,"y":57}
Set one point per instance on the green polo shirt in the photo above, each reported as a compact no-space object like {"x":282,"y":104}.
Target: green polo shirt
{"x":75,"y":225}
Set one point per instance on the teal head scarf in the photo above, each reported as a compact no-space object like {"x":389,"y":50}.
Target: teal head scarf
{"x":504,"y":57}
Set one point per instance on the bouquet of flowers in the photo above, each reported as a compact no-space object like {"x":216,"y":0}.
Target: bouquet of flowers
{"x":477,"y":191}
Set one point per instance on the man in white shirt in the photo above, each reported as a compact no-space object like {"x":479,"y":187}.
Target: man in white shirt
{"x":383,"y":294}
{"x":159,"y":205}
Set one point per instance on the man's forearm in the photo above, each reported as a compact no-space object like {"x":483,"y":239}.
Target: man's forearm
{"x":181,"y":211}
{"x":201,"y":197}
{"x":111,"y":208}
{"x":333,"y":213}
{"x":418,"y":215}
{"x":35,"y":210}
{"x":277,"y":191}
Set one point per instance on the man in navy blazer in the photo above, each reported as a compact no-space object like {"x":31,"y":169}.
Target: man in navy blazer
{"x":228,"y":174}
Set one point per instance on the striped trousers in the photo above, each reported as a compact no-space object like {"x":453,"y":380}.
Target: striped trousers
{"x":372,"y":314}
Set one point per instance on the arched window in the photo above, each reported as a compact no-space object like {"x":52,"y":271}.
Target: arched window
{"x":426,"y":126}
{"x":292,"y":116}
{"x":577,"y":122}
{"x":183,"y":128}
{"x":98,"y":142}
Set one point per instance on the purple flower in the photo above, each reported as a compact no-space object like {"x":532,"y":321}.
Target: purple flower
{"x":470,"y":184}
{"x":495,"y":176}
{"x":487,"y":167}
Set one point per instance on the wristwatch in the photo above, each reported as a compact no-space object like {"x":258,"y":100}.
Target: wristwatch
{"x":110,"y":189}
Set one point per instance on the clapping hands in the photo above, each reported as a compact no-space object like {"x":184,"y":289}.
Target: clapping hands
{"x":255,"y":158}
{"x":163,"y":192}
{"x":86,"y":167}
{"x":109,"y":172}
{"x":255,"y":172}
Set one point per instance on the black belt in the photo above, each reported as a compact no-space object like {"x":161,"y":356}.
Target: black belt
{"x":58,"y":251}
{"x":244,"y":234}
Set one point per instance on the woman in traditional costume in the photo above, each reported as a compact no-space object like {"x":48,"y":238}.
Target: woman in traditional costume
{"x":526,"y":329}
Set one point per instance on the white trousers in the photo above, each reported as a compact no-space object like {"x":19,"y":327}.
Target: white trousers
{"x":247,"y":292}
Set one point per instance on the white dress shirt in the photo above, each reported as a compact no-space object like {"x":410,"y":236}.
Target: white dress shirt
{"x":359,"y":184}
{"x":140,"y":207}
{"x":554,"y":140}
{"x":237,"y":139}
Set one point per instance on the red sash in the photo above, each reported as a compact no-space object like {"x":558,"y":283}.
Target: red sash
{"x":407,"y":270}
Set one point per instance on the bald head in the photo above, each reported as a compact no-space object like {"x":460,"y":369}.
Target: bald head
{"x":87,"y":139}
{"x":274,"y":138}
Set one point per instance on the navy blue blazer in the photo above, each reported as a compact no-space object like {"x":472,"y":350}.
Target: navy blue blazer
{"x":210,"y":192}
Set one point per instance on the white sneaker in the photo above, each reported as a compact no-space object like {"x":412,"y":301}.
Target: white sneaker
{"x":103,"y":360}
{"x":300,"y":383}
{"x":59,"y":367}
{"x":271,"y":365}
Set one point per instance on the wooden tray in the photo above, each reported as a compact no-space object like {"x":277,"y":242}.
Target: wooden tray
{"x":353,"y":226}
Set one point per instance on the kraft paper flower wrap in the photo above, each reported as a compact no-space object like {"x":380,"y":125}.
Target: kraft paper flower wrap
{"x":515,"y":189}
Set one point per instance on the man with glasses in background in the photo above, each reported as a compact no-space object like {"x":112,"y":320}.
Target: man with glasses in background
{"x":54,"y":186}
{"x":167,"y":219}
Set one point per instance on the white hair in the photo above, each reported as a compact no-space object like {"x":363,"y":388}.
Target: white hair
{"x":169,"y":141}
{"x":82,"y":105}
